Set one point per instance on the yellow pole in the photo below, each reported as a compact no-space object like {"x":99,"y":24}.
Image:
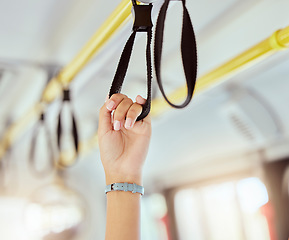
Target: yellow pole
{"x":278,"y":41}
{"x":54,"y":89}
{"x":117,"y":19}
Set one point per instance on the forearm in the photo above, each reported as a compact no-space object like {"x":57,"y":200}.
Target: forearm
{"x":123,"y":151}
{"x":123,"y":214}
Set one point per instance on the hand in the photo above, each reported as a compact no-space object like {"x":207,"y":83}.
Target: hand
{"x":123,"y":142}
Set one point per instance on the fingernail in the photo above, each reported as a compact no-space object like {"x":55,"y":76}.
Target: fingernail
{"x":128,"y":123}
{"x":116,"y":125}
{"x":110,"y":105}
{"x":107,"y":97}
{"x":142,"y":99}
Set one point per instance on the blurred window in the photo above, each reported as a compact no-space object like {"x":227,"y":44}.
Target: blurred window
{"x":154,"y":218}
{"x":230,"y":210}
{"x":189,"y":215}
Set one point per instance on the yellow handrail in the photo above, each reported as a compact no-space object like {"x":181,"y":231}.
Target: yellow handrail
{"x":278,"y":41}
{"x":53,"y":90}
{"x":117,"y":19}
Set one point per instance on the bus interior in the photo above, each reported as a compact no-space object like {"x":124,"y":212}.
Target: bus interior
{"x":216,"y":170}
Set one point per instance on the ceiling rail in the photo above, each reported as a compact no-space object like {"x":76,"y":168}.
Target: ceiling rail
{"x":278,"y":41}
{"x":115,"y":21}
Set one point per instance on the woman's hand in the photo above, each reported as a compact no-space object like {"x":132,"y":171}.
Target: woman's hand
{"x":123,"y":142}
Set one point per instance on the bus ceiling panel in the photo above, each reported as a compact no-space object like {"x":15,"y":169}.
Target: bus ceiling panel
{"x":26,"y":27}
{"x":77,"y":26}
{"x":47,"y":27}
{"x":266,"y":85}
{"x":67,"y":45}
{"x":221,"y":43}
{"x":270,"y":83}
{"x":204,"y":13}
{"x":58,"y":38}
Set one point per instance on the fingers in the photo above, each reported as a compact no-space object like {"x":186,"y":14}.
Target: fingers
{"x":114,"y":101}
{"x":125,"y":114}
{"x":121,"y":112}
{"x":140,"y":100}
{"x":132,"y":114}
{"x":105,"y":124}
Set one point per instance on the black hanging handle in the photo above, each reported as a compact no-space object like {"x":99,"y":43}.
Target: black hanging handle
{"x":143,"y":23}
{"x":188,"y":49}
{"x":66,"y":98}
{"x":32,"y":160}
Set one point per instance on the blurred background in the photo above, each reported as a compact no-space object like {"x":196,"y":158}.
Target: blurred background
{"x":216,"y":170}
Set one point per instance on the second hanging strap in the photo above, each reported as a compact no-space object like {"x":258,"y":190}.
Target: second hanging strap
{"x":188,"y":50}
{"x":66,"y":100}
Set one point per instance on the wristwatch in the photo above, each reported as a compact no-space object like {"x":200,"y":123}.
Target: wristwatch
{"x":127,"y":187}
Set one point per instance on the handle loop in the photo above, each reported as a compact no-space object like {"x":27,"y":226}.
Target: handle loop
{"x":66,"y":99}
{"x":142,"y":23}
{"x":32,"y":160}
{"x":188,"y":50}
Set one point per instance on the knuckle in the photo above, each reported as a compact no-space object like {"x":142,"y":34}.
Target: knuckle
{"x":120,"y":113}
{"x":123,"y":107}
{"x":128,"y":101}
{"x":135,"y":110}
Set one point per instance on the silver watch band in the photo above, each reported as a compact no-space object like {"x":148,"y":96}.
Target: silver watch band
{"x":127,"y":187}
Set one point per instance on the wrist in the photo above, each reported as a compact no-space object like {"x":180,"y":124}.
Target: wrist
{"x":137,"y":179}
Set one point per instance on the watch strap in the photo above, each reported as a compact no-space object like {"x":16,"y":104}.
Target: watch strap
{"x":127,"y":187}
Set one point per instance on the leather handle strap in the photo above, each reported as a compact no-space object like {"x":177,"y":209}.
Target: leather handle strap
{"x":66,"y":99}
{"x":188,"y":50}
{"x":32,"y":160}
{"x":142,"y":24}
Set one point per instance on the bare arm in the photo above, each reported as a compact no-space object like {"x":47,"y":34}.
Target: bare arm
{"x":123,"y":150}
